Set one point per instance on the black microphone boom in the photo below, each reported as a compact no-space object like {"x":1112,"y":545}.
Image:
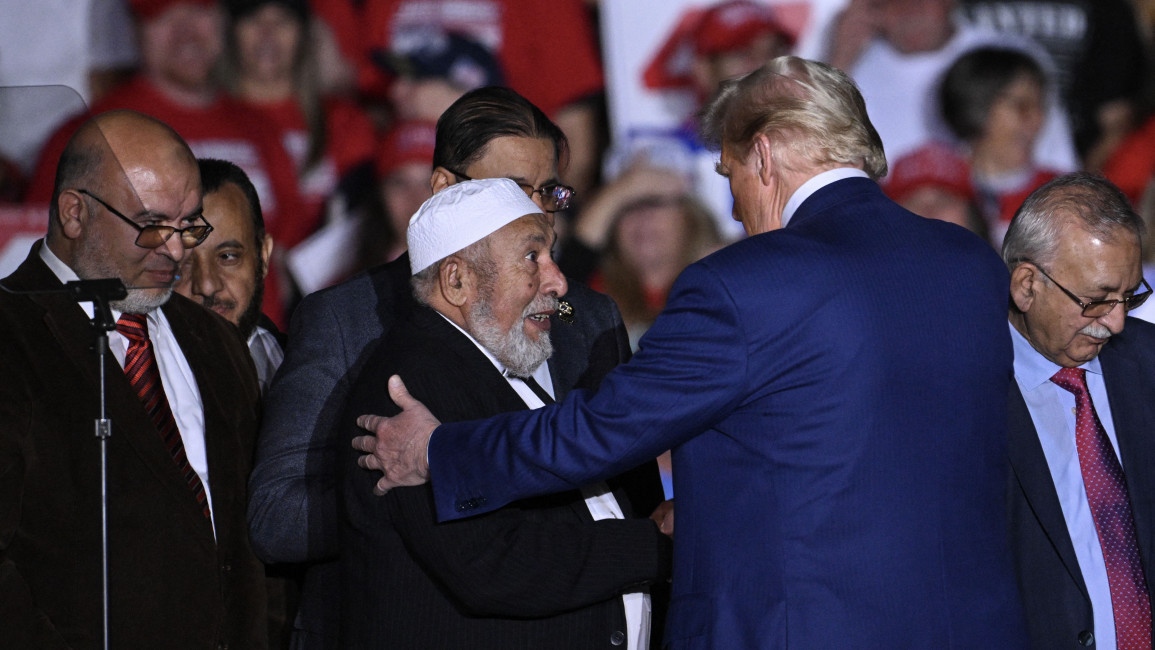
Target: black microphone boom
{"x":101,"y":289}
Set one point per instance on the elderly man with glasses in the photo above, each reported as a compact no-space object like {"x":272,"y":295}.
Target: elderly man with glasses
{"x":1082,"y":417}
{"x":182,"y":398}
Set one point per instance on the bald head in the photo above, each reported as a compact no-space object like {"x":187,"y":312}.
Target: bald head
{"x":120,"y":172}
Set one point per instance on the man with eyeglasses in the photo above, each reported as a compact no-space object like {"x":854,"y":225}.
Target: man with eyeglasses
{"x":489,"y":132}
{"x":182,"y":397}
{"x":1081,"y":417}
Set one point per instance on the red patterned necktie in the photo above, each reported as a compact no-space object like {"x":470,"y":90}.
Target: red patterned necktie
{"x":1111,"y":510}
{"x":141,"y":370}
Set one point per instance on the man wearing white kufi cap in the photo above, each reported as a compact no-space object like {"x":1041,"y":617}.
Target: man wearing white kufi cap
{"x":567,"y":571}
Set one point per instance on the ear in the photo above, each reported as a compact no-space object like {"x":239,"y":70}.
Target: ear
{"x":441,"y":179}
{"x":455,"y":280}
{"x":266,"y":254}
{"x":763,"y":153}
{"x":72,"y":214}
{"x":1023,"y":279}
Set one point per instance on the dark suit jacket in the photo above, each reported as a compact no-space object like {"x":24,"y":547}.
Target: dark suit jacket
{"x":834,"y":393}
{"x":171,"y":584}
{"x":536,"y":574}
{"x":293,"y":504}
{"x":1054,"y":595}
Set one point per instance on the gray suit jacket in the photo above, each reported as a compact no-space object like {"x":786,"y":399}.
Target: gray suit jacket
{"x":293,"y":490}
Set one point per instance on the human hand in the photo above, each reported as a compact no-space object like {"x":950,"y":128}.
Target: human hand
{"x":399,"y":445}
{"x":663,"y":516}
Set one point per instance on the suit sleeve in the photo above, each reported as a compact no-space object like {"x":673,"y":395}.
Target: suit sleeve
{"x":292,"y":491}
{"x":520,"y":561}
{"x":688,"y":374}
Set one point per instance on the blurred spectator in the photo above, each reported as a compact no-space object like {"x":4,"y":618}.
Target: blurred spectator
{"x":707,"y":47}
{"x":1099,"y":56}
{"x":548,"y":52}
{"x":271,"y":69}
{"x":337,"y":45}
{"x":1132,"y":164}
{"x":440,"y":69}
{"x":634,"y":237}
{"x":181,"y":42}
{"x":992,"y":100}
{"x":934,"y":181}
{"x":403,"y":167}
{"x":90,"y":50}
{"x":897,"y":52}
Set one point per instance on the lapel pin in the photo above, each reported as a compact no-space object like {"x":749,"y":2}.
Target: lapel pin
{"x":565,"y":312}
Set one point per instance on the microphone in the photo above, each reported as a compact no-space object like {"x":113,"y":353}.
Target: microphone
{"x":99,"y":290}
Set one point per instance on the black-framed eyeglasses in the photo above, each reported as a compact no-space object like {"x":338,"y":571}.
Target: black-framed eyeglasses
{"x":1100,"y":308}
{"x":153,"y":236}
{"x":554,"y":196}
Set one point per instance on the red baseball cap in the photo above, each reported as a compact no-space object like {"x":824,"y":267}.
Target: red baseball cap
{"x":406,"y":142}
{"x":936,"y":164}
{"x":149,"y":9}
{"x":733,"y":25}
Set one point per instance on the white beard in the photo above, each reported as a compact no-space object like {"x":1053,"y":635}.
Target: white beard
{"x":520,"y":354}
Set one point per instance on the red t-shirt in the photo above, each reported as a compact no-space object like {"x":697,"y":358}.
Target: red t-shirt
{"x":548,"y":51}
{"x":1132,"y":164}
{"x":349,"y":141}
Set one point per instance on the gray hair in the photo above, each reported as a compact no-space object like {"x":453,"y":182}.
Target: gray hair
{"x":808,"y":109}
{"x":476,"y":256}
{"x":1091,"y":202}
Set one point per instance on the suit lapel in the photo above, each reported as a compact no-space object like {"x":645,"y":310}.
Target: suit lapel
{"x":1033,"y":475}
{"x":198,"y":352}
{"x":566,"y":363}
{"x":1130,"y":391}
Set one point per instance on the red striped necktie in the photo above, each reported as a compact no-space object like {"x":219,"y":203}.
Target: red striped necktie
{"x":141,"y":370}
{"x":1111,"y":510}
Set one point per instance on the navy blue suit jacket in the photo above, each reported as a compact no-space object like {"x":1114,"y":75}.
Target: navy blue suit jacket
{"x":1055,"y":597}
{"x":835,"y":393}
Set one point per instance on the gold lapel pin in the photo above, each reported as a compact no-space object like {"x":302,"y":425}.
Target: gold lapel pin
{"x":565,"y":312}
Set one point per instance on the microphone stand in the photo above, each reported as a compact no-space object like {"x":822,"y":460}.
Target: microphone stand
{"x":100,"y":293}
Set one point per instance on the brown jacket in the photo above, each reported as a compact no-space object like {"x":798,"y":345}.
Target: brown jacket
{"x":171,"y":585}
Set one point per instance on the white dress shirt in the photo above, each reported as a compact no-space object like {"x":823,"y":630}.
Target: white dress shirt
{"x":599,"y":497}
{"x":1052,"y":410}
{"x":816,"y":183}
{"x":180,"y":387}
{"x":267,"y":355}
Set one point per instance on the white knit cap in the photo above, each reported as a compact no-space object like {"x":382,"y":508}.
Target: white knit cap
{"x":463,"y":214}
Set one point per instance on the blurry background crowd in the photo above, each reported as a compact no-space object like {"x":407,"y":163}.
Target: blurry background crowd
{"x":329,"y":106}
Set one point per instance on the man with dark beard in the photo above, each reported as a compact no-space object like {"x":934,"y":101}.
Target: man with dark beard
{"x":182,"y":399}
{"x":227,"y":272}
{"x":565,"y":571}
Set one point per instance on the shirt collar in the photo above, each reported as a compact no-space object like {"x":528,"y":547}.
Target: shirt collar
{"x":1033,"y":369}
{"x":63,"y":272}
{"x":816,"y":183}
{"x":492,"y":359}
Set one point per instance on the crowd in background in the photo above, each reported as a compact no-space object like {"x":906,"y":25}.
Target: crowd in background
{"x":329,"y":107}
